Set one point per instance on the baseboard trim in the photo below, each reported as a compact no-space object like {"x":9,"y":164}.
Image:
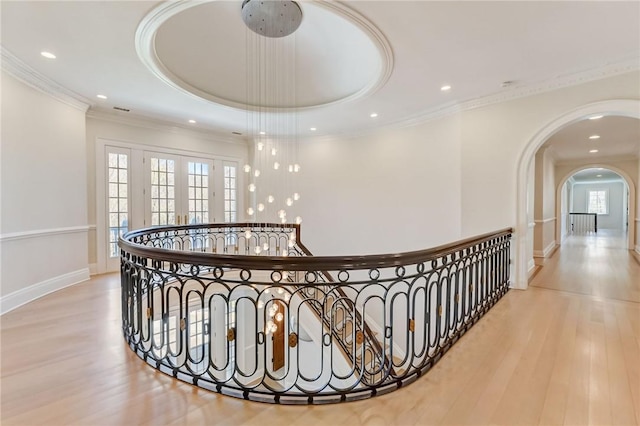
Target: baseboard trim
{"x":18,"y":298}
{"x":547,"y":251}
{"x":638,"y":249}
{"x":532,"y":264}
{"x":93,"y":269}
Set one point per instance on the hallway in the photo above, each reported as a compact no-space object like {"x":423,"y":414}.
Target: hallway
{"x":594,"y":264}
{"x":565,"y":351}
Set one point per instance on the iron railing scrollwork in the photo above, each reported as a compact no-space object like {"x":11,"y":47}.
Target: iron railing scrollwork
{"x":246,"y":310}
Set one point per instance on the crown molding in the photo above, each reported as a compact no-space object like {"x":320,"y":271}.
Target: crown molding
{"x":161,"y":125}
{"x":597,"y":161}
{"x":523,"y":91}
{"x":15,"y":67}
{"x":516,"y":92}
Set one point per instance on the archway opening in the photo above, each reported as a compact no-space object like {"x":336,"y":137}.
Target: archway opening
{"x":527,"y":189}
{"x":593,"y":208}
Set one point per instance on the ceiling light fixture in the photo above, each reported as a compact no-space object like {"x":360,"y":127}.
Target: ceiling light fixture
{"x":271,"y":68}
{"x":445,"y":88}
{"x":192,"y":121}
{"x":598,"y":175}
{"x":594,"y":137}
{"x":313,"y":129}
{"x":272,"y":19}
{"x":48,"y":55}
{"x":373,"y":115}
{"x":593,"y":151}
{"x":101,"y":96}
{"x":596,"y":117}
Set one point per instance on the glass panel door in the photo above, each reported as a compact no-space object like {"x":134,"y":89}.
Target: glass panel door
{"x":178,"y":190}
{"x":117,"y":201}
{"x":162,"y":189}
{"x":198,"y":190}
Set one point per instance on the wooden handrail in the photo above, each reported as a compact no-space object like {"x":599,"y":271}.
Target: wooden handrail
{"x":302,"y":263}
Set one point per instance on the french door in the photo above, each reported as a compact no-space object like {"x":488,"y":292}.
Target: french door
{"x":138,"y":188}
{"x":178,"y":190}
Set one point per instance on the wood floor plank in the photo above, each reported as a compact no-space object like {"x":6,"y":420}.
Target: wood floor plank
{"x":620,"y":395}
{"x":553,"y":409}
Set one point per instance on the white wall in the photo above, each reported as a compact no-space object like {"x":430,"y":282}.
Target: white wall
{"x":617,"y":192}
{"x":545,"y":203}
{"x":566,"y":198}
{"x":153,"y":135}
{"x":408,"y":188}
{"x":531,"y":196}
{"x":396,"y":190}
{"x":494,"y":137}
{"x":638,"y":210}
{"x":44,"y":194}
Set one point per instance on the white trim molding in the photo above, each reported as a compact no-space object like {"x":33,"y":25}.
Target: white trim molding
{"x":43,"y":233}
{"x":25,"y":73}
{"x":145,"y":44}
{"x":147,"y":122}
{"x":18,"y":298}
{"x":93,"y":269}
{"x":532,"y":264}
{"x":551,"y":219}
{"x":638,"y":249}
{"x":547,"y":250}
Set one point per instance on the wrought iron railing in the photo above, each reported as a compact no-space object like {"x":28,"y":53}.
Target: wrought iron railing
{"x":245,"y":310}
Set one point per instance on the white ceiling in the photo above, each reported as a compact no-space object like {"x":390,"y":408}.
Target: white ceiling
{"x":473,"y":46}
{"x":619,"y":137}
{"x":597,"y":175}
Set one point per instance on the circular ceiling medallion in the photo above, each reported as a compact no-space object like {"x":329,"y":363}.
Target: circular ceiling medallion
{"x":203,"y":49}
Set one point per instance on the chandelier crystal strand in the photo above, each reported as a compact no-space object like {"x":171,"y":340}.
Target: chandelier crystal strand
{"x":273,"y":84}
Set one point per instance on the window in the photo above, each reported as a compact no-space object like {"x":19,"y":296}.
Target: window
{"x":230,"y":198}
{"x":118,"y":199}
{"x":163,"y":210}
{"x":198,"y":176}
{"x":598,"y":202}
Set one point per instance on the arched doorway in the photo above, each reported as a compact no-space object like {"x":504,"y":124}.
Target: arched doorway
{"x":625,"y":108}
{"x":631,"y":205}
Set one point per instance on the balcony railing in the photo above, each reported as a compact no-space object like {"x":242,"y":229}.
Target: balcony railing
{"x":582,"y":223}
{"x":246,"y":310}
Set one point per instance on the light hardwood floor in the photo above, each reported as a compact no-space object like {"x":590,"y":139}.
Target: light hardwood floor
{"x":566,"y":351}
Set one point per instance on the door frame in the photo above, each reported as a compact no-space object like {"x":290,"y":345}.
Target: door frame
{"x":136,"y":185}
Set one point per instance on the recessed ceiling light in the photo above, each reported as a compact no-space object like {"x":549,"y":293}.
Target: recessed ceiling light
{"x":445,"y":88}
{"x":48,"y":55}
{"x":596,"y":117}
{"x":598,"y":175}
{"x":594,"y":137}
{"x":313,"y":129}
{"x":373,"y":115}
{"x":263,"y":133}
{"x":192,"y":121}
{"x":102,"y":96}
{"x":593,"y":151}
